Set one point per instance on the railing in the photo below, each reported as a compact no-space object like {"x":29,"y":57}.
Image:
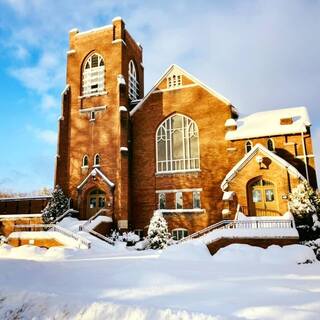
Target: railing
{"x":100,"y":236}
{"x":85,"y":228}
{"x":55,"y":228}
{"x":66,"y":213}
{"x":219,"y":225}
{"x":243,"y":224}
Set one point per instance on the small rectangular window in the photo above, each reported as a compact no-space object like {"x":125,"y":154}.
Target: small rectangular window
{"x":92,"y":116}
{"x":196,"y":200}
{"x":162,"y":200}
{"x":179,"y":200}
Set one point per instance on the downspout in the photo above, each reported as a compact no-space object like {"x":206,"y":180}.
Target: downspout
{"x":305,"y":155}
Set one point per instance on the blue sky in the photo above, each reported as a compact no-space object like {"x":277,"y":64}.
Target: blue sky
{"x":258,"y":54}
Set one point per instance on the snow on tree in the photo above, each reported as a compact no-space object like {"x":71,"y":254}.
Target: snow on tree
{"x":56,"y":206}
{"x":158,"y":235}
{"x":304,"y":203}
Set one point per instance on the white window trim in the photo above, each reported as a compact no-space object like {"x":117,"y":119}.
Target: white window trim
{"x":95,"y":165}
{"x":165,"y":200}
{"x":176,"y":198}
{"x":193,"y":199}
{"x":179,"y":190}
{"x":180,"y":229}
{"x":164,"y":211}
{"x":168,"y":144}
{"x":93,"y":76}
{"x":133,"y":84}
{"x":83,"y":165}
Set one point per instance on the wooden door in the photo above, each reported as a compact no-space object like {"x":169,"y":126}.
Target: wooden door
{"x":263,"y":200}
{"x":96,"y":201}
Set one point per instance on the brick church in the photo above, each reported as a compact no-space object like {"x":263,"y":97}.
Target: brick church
{"x":181,"y":147}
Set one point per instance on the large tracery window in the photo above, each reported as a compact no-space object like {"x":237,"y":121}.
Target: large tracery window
{"x":133,"y":82}
{"x":177,"y":145}
{"x":93,"y":75}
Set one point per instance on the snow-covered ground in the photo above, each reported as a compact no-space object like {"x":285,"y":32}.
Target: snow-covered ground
{"x":181,"y":282}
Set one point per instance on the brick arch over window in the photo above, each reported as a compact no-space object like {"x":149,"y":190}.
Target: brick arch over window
{"x":177,"y":145}
{"x":93,"y":75}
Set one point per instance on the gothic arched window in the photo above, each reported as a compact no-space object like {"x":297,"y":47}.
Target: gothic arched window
{"x":93,"y":75}
{"x":133,"y":82}
{"x":248,"y":146}
{"x":177,"y":140}
{"x":96,"y":160}
{"x":85,"y":161}
{"x":270,"y":145}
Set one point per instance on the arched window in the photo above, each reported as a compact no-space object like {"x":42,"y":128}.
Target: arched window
{"x":97,"y":160}
{"x":248,"y":146}
{"x":270,"y":145}
{"x":177,"y":145}
{"x":85,"y":161}
{"x":93,"y":75}
{"x":178,"y":234}
{"x":133,"y":82}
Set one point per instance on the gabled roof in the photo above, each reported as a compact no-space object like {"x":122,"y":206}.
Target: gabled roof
{"x":245,"y":160}
{"x":93,"y":173}
{"x":267,"y":123}
{"x":188,"y":75}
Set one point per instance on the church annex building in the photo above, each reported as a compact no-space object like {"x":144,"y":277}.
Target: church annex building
{"x":181,"y":147}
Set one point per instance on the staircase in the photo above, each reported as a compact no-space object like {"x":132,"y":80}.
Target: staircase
{"x":257,"y":232}
{"x":86,"y":227}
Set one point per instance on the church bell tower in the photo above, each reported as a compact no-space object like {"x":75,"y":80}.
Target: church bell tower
{"x":104,"y":79}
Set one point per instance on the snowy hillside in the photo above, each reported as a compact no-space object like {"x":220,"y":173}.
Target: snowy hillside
{"x":182,"y":282}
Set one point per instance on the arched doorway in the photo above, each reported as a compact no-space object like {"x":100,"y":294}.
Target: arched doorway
{"x":96,"y":201}
{"x":262,"y":197}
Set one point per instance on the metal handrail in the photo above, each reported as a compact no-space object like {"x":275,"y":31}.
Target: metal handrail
{"x":66,"y":213}
{"x":243,"y":224}
{"x":100,"y":236}
{"x":55,"y":228}
{"x":82,"y":227}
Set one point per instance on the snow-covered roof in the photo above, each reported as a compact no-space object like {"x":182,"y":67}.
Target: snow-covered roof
{"x":26,"y":198}
{"x":243,"y":162}
{"x":181,"y":71}
{"x":267,"y":123}
{"x":93,"y":173}
{"x":230,"y":122}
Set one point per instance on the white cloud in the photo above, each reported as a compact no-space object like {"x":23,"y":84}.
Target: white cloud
{"x":49,"y":102}
{"x":45,"y":135}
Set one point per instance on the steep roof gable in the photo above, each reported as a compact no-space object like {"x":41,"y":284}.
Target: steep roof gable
{"x":175,"y":69}
{"x":249,"y":156}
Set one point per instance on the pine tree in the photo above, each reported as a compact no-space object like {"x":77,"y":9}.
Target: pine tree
{"x":158,"y":235}
{"x":304,"y":203}
{"x":56,"y":206}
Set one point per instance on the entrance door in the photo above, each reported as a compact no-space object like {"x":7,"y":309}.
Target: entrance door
{"x":263,"y":200}
{"x":96,"y":201}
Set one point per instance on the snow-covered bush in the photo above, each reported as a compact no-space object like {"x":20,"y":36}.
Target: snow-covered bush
{"x":56,"y":206}
{"x":130,"y":237}
{"x":315,"y":246}
{"x":3,"y":240}
{"x":158,"y":235}
{"x":304,"y":203}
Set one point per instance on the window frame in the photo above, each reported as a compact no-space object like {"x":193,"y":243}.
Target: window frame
{"x":159,"y":200}
{"x":96,"y":156}
{"x":178,"y":198}
{"x":247,"y":144}
{"x":270,"y":140}
{"x":165,"y":133}
{"x":177,"y":230}
{"x":93,"y":76}
{"x":194,"y":200}
{"x":133,"y":83}
{"x":85,"y":157}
